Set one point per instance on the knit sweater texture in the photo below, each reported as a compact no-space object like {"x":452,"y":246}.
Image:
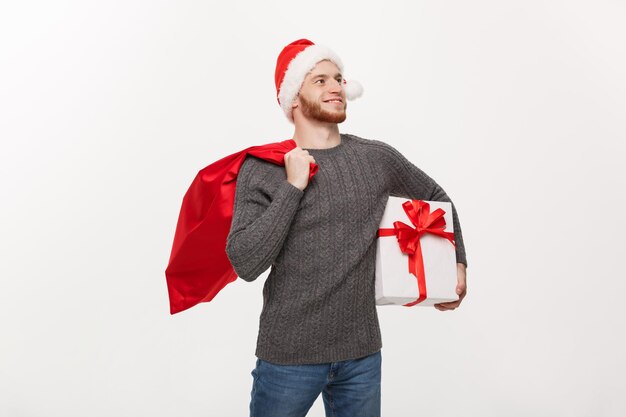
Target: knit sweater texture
{"x":319,"y":299}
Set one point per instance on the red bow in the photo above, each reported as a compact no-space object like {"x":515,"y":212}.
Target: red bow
{"x":408,"y":237}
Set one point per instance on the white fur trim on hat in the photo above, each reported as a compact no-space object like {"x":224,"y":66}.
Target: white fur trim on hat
{"x":297,"y":70}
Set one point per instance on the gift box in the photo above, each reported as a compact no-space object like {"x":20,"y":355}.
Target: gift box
{"x":415,"y":254}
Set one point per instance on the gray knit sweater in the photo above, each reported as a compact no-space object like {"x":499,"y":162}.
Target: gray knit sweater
{"x":318,"y":300}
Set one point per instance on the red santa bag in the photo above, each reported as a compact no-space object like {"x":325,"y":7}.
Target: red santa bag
{"x":198,"y":267}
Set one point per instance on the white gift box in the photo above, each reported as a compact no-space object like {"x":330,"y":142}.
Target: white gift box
{"x":395,"y":285}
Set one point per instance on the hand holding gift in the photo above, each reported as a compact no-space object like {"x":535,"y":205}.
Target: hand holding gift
{"x":461,"y":290}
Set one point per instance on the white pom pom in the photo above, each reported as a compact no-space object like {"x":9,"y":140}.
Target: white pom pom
{"x":353,"y":89}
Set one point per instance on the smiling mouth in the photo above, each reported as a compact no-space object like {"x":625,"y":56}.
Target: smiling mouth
{"x":334,"y":101}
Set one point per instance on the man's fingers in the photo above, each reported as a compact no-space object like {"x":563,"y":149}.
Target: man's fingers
{"x":448,"y":306}
{"x":461,"y":290}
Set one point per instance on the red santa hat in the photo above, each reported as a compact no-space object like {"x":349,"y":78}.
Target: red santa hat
{"x":295,"y":61}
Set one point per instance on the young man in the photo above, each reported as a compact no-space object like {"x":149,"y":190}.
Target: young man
{"x":319,"y":330}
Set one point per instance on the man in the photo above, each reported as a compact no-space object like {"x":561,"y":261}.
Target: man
{"x":319,"y":330}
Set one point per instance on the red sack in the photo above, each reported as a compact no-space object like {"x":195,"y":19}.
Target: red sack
{"x":198,"y":267}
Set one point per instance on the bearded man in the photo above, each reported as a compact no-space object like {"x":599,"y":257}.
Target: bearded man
{"x":319,"y":330}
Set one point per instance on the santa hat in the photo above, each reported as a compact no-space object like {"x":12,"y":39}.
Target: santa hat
{"x":295,"y":61}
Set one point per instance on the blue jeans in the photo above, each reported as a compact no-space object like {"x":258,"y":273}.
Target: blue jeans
{"x":349,"y":388}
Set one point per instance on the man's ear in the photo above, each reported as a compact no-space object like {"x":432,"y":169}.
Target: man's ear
{"x":296,"y":102}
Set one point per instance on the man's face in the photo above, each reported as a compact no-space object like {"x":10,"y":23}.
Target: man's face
{"x":321,"y":96}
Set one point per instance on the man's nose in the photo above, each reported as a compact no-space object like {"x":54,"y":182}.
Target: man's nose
{"x":337,"y":86}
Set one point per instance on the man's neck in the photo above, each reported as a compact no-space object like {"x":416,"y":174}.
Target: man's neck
{"x":317,"y":136}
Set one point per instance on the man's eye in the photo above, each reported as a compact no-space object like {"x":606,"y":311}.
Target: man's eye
{"x":339,"y":80}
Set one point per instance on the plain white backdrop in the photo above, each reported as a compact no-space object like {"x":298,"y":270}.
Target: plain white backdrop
{"x":108,"y":110}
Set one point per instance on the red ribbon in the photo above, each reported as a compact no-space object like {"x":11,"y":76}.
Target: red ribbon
{"x":408,"y":237}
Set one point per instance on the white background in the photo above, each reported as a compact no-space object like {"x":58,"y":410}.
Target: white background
{"x":109,"y":109}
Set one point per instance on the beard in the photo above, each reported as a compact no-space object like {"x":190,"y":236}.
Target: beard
{"x":313,"y":110}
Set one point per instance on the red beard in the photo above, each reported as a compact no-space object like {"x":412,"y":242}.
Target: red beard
{"x":313,"y":110}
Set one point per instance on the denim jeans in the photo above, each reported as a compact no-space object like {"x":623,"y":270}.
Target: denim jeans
{"x":349,"y":388}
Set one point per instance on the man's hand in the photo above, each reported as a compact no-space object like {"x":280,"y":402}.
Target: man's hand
{"x":298,"y":165}
{"x":461,"y":289}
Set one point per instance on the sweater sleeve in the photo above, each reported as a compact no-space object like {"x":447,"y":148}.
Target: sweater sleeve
{"x":262,"y":215}
{"x":407,"y":180}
